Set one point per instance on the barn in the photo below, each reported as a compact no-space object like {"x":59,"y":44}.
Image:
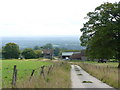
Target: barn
{"x":66,"y":55}
{"x":74,"y":56}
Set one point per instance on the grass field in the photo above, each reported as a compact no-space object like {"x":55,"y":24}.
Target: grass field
{"x":24,"y":69}
{"x":59,"y":77}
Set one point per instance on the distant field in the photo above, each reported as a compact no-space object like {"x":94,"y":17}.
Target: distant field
{"x":24,"y":69}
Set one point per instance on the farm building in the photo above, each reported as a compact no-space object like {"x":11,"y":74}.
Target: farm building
{"x":73,"y":56}
{"x":66,"y":55}
{"x":83,"y":56}
{"x":76,"y":56}
{"x":47,"y":53}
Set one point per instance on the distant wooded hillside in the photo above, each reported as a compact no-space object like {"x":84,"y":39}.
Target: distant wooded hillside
{"x":68,"y":42}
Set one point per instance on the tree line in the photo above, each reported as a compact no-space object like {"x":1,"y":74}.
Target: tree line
{"x":101,"y":32}
{"x":12,"y":50}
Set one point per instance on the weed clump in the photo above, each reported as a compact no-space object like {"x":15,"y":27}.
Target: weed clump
{"x":79,"y":74}
{"x":87,"y":82}
{"x":77,"y":70}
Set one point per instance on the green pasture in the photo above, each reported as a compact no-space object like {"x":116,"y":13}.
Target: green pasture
{"x":24,"y":68}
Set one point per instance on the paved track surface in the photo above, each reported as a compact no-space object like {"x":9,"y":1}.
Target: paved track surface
{"x":77,"y":80}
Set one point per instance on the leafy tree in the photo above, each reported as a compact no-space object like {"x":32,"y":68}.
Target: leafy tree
{"x":38,"y":53}
{"x":36,"y":48}
{"x":57,"y":51}
{"x":10,"y":50}
{"x":101,"y":33}
{"x":48,"y":46}
{"x":28,"y":53}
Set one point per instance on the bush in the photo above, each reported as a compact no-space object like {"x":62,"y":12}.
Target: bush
{"x":38,"y":53}
{"x":28,"y":53}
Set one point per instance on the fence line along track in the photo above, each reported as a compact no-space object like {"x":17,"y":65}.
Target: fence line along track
{"x":42,"y":72}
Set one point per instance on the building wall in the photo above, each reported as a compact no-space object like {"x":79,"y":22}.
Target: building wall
{"x":83,"y":58}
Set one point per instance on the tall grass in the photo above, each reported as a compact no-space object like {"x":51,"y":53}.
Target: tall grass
{"x":106,"y":74}
{"x":59,"y":77}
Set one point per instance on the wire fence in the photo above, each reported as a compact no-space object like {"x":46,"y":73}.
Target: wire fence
{"x":43,"y":71}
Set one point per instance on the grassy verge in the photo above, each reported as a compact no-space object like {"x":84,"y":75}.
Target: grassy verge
{"x":106,"y":74}
{"x":59,"y":77}
{"x":108,"y":64}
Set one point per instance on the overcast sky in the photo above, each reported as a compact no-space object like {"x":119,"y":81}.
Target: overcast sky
{"x":44,"y":17}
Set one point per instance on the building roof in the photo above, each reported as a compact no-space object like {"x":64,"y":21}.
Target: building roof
{"x":68,"y":53}
{"x":47,"y":51}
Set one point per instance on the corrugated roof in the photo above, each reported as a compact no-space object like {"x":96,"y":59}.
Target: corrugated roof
{"x":67,"y":53}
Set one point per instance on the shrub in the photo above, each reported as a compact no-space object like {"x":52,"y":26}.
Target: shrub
{"x":28,"y":53}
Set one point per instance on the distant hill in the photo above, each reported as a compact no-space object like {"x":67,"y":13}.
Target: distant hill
{"x":69,"y":42}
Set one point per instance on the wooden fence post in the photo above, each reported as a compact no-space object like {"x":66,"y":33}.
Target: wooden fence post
{"x":14,"y":78}
{"x":42,"y":71}
{"x":49,"y":69}
{"x":31,"y":75}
